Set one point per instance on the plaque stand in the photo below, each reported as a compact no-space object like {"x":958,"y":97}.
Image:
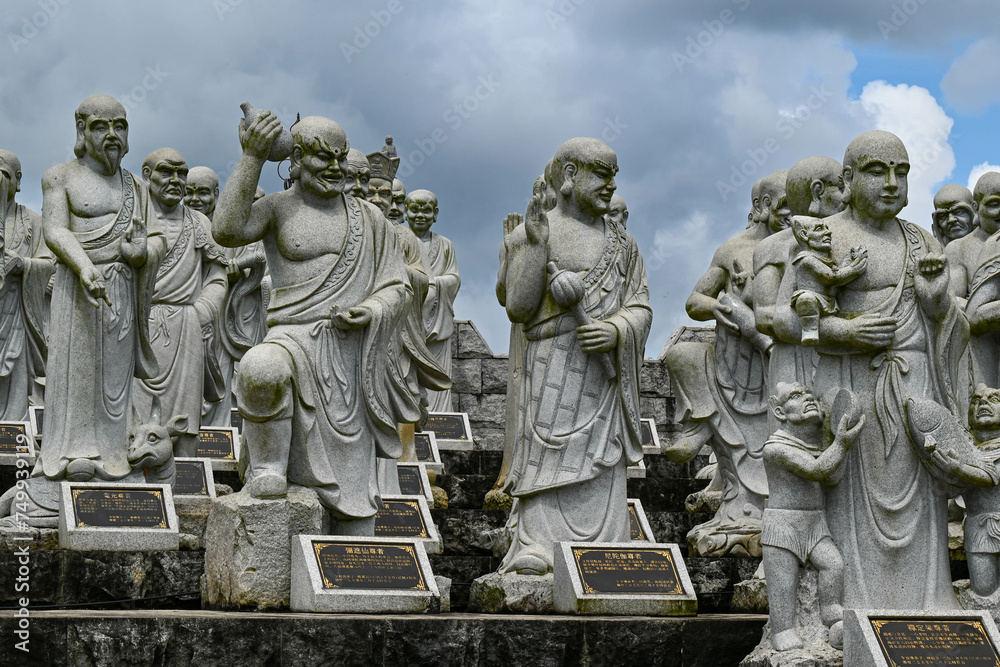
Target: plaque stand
{"x":248,"y":548}
{"x":512,"y":593}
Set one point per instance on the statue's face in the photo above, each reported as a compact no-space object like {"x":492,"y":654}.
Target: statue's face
{"x":323,"y":167}
{"x":616,"y":214}
{"x":955,"y":218}
{"x":984,"y":408}
{"x":380,"y":194}
{"x":801,"y":406}
{"x":359,"y":174}
{"x":13,"y":178}
{"x":594,"y":185}
{"x":167,"y":181}
{"x":989,"y":211}
{"x":879,"y":186}
{"x":105,"y":137}
{"x":774,"y":209}
{"x":398,"y":205}
{"x":818,"y":236}
{"x":833,"y":198}
{"x":200,"y":195}
{"x":421,"y":213}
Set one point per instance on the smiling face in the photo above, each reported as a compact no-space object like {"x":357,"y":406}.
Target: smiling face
{"x":319,"y":158}
{"x":202,"y":190}
{"x":421,"y":211}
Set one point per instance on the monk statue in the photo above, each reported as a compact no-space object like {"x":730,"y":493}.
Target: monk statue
{"x":202,"y":190}
{"x":896,"y":346}
{"x":982,"y":523}
{"x":28,"y":265}
{"x":397,"y":209}
{"x":315,"y":394}
{"x":619,"y":211}
{"x":977,"y":260}
{"x":954,"y":214}
{"x":190,"y":288}
{"x":577,"y":285}
{"x":722,"y":390}
{"x":359,"y":173}
{"x":443,"y":282}
{"x":98,"y":222}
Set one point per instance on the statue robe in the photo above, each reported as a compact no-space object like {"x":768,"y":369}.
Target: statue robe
{"x":96,"y":351}
{"x":23,"y":313}
{"x":341,"y":396}
{"x":888,"y":516}
{"x":191,"y":277}
{"x":578,"y":429}
{"x":439,"y":261}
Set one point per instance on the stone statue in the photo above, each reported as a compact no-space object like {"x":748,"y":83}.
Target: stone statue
{"x":315,"y":395}
{"x":818,"y":275}
{"x":438,"y":257}
{"x":898,"y":343}
{"x":27,"y":267}
{"x":388,"y":149}
{"x":619,"y":211}
{"x":189,"y":292}
{"x":99,"y":224}
{"x":722,"y":390}
{"x":982,"y":521}
{"x":397,"y":208}
{"x":798,"y":458}
{"x":954,"y":214}
{"x":359,"y":173}
{"x":978,"y":259}
{"x":578,"y":422}
{"x":202,"y":190}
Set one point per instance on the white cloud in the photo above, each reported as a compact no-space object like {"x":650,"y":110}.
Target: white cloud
{"x":978,"y":171}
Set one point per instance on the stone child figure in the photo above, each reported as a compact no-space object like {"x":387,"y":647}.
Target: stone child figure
{"x":578,"y":422}
{"x":314,"y":395}
{"x":817,"y":274}
{"x":982,"y":521}
{"x":443,"y":282}
{"x":798,"y":461}
{"x":99,"y":224}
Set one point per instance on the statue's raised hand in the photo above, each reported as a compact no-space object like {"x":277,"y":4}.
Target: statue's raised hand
{"x":511,"y":222}
{"x":133,"y":243}
{"x":931,"y":283}
{"x":536,"y":223}
{"x":256,"y":139}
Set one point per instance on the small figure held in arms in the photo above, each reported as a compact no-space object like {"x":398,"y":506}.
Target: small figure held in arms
{"x":817,"y":274}
{"x":794,"y":529}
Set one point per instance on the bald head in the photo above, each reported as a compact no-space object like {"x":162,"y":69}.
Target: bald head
{"x":875,"y":145}
{"x":101,"y":132}
{"x":583,"y":171}
{"x":954,"y":213}
{"x":398,"y":204}
{"x":202,"y":190}
{"x":319,"y":133}
{"x":319,"y":157}
{"x":988,"y":184}
{"x":359,"y":173}
{"x":987,"y":201}
{"x":11,"y":166}
{"x":619,"y":211}
{"x":160,"y":155}
{"x":773,"y":202}
{"x":875,"y":168}
{"x":166,"y":172}
{"x":815,"y":186}
{"x":421,"y":211}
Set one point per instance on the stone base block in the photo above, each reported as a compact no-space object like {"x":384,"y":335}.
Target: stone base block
{"x":750,"y":596}
{"x":970,"y":600}
{"x":248,"y":548}
{"x":498,"y":593}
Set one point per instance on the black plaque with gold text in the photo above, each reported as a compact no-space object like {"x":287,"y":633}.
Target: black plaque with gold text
{"x":14,"y":439}
{"x":400,"y":518}
{"x":410,"y":482}
{"x":369,"y":566}
{"x":236,"y":419}
{"x":422,"y":446}
{"x":635,"y":527}
{"x":627,"y":570}
{"x":112,"y":507}
{"x":448,"y":426}
{"x":191,"y":479}
{"x":215,"y":445}
{"x":925,"y":641}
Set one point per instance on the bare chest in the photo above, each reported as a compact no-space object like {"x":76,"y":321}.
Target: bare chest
{"x":93,"y":200}
{"x":311,"y":233}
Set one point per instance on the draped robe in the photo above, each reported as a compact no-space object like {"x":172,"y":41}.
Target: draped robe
{"x":341,"y":396}
{"x":888,"y":515}
{"x":439,"y":261}
{"x":578,"y":429}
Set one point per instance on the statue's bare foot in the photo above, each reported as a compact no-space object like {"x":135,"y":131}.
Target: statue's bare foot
{"x":836,"y":639}
{"x":689,"y":443}
{"x":80,"y":470}
{"x":530,"y":564}
{"x":268,"y":485}
{"x":787,"y":640}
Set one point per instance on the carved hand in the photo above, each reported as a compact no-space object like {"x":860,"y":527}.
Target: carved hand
{"x":931,"y":278}
{"x":256,"y":140}
{"x":536,"y":223}
{"x":865,"y":332}
{"x":511,"y":222}
{"x":133,"y":243}
{"x":14,"y":265}
{"x":597,"y":336}
{"x":845,"y":437}
{"x":93,"y":285}
{"x":357,"y":317}
{"x":721,"y":312}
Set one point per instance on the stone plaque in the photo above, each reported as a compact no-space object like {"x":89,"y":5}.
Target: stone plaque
{"x":638,"y":471}
{"x":219,"y":444}
{"x":638,"y":570}
{"x":934,"y":641}
{"x":639,"y":528}
{"x":452,"y":430}
{"x":109,"y":507}
{"x":236,"y":419}
{"x":194,"y":478}
{"x":650,"y":438}
{"x":16,"y":442}
{"x":371,"y":566}
{"x":425,"y":445}
{"x":408,"y":517}
{"x":622,"y":578}
{"x":412,"y":480}
{"x":35,"y":414}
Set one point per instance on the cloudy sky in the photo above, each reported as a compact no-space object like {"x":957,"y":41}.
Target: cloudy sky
{"x":698,"y":97}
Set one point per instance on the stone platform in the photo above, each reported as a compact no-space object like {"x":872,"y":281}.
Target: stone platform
{"x":209,"y":639}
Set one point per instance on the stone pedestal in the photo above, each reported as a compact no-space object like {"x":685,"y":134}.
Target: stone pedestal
{"x":248,"y":548}
{"x":816,"y":651}
{"x":497,"y":593}
{"x":970,"y":600}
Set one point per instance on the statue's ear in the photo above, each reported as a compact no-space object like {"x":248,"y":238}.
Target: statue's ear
{"x":146,"y":173}
{"x":816,"y":187}
{"x":177,"y":425}
{"x":798,"y":230}
{"x":776,"y":408}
